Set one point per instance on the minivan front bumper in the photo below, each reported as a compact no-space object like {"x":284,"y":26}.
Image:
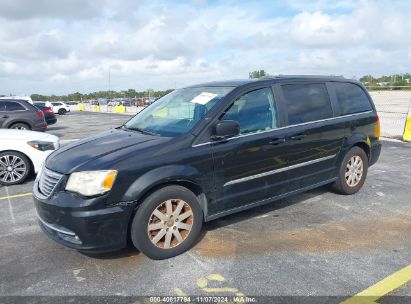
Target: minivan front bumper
{"x":75,"y":222}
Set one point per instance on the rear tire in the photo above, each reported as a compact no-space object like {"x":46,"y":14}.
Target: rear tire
{"x":62,"y":111}
{"x":14,"y":168}
{"x":167,"y":223}
{"x":352,"y":172}
{"x":20,"y":126}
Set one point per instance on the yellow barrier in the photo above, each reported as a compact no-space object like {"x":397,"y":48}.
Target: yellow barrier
{"x":81,"y":107}
{"x":407,"y":130}
{"x":95,"y":108}
{"x":119,"y":109}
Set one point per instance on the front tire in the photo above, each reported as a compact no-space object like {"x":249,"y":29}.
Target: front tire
{"x":352,"y":172}
{"x":14,"y":168}
{"x":167,"y":223}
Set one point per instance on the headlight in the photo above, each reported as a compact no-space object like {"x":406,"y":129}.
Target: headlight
{"x":89,"y":183}
{"x":42,"y":145}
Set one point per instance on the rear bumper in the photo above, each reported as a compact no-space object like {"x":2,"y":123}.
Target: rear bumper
{"x":41,"y":126}
{"x":51,"y":120}
{"x":85,"y":227}
{"x":375,"y":152}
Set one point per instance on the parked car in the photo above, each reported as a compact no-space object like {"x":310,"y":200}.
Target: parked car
{"x":23,"y":153}
{"x":58,"y":107}
{"x":20,"y":114}
{"x":26,"y":98}
{"x":203,"y":152}
{"x":71,"y":103}
{"x":150,"y":100}
{"x":49,"y":115}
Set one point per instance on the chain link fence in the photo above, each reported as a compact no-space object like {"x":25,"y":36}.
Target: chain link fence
{"x":392,"y":107}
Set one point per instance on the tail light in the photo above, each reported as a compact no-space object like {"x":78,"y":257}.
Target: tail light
{"x":40,"y":114}
{"x":48,"y":111}
{"x":377,"y":128}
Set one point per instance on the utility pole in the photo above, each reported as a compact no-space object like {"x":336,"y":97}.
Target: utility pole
{"x":109,"y":83}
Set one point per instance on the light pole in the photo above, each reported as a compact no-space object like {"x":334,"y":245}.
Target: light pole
{"x":109,"y":83}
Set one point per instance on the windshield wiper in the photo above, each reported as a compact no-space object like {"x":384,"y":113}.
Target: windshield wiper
{"x":143,"y":131}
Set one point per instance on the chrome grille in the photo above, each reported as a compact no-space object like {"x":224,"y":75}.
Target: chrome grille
{"x":48,"y":181}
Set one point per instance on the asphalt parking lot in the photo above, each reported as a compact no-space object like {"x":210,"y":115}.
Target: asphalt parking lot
{"x":314,"y":244}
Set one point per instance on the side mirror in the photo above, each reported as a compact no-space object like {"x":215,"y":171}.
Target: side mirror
{"x":225,"y":129}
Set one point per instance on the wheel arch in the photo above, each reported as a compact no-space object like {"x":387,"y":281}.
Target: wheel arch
{"x":359,"y":140}
{"x":16,"y":121}
{"x":186,"y":176}
{"x":189,"y":184}
{"x":364,"y":146}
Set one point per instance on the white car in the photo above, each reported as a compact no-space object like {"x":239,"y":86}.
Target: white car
{"x":22,"y":153}
{"x":58,"y":107}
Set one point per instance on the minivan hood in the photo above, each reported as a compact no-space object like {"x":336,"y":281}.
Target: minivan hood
{"x":86,"y":153}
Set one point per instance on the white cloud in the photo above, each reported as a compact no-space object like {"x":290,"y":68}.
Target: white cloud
{"x":71,"y":46}
{"x":61,"y":9}
{"x":321,"y":5}
{"x":321,"y":30}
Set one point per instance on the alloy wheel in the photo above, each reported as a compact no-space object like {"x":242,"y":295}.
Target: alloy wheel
{"x":170,"y":223}
{"x":354,"y":171}
{"x":12,"y":168}
{"x":20,"y":128}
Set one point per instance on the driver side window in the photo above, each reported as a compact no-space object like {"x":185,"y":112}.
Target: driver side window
{"x":255,"y":111}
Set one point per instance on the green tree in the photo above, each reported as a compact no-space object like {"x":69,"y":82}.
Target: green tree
{"x":257,"y":74}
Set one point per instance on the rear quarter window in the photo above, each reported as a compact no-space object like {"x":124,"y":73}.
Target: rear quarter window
{"x":306,"y":102}
{"x":351,"y":98}
{"x":14,"y":106}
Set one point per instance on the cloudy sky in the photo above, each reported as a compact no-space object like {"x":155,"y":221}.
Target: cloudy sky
{"x":58,"y":47}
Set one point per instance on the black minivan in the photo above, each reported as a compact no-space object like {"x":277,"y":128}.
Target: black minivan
{"x":203,"y":152}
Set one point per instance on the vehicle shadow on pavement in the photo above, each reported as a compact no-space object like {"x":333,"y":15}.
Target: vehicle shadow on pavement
{"x":127,"y":252}
{"x":54,"y":128}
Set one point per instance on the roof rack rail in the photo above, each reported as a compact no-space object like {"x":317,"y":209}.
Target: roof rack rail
{"x":299,"y":76}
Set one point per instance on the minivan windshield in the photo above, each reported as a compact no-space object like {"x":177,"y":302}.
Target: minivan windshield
{"x":177,"y":113}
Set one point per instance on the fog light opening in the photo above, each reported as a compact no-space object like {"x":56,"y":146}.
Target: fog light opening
{"x":69,"y":238}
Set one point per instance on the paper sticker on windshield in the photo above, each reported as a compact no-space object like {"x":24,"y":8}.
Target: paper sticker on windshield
{"x":203,"y":98}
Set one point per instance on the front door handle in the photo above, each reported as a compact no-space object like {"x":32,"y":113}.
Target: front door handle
{"x":5,"y":116}
{"x":298,"y":137}
{"x":277,"y":141}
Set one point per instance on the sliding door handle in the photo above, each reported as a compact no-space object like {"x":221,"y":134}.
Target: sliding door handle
{"x":276,"y":141}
